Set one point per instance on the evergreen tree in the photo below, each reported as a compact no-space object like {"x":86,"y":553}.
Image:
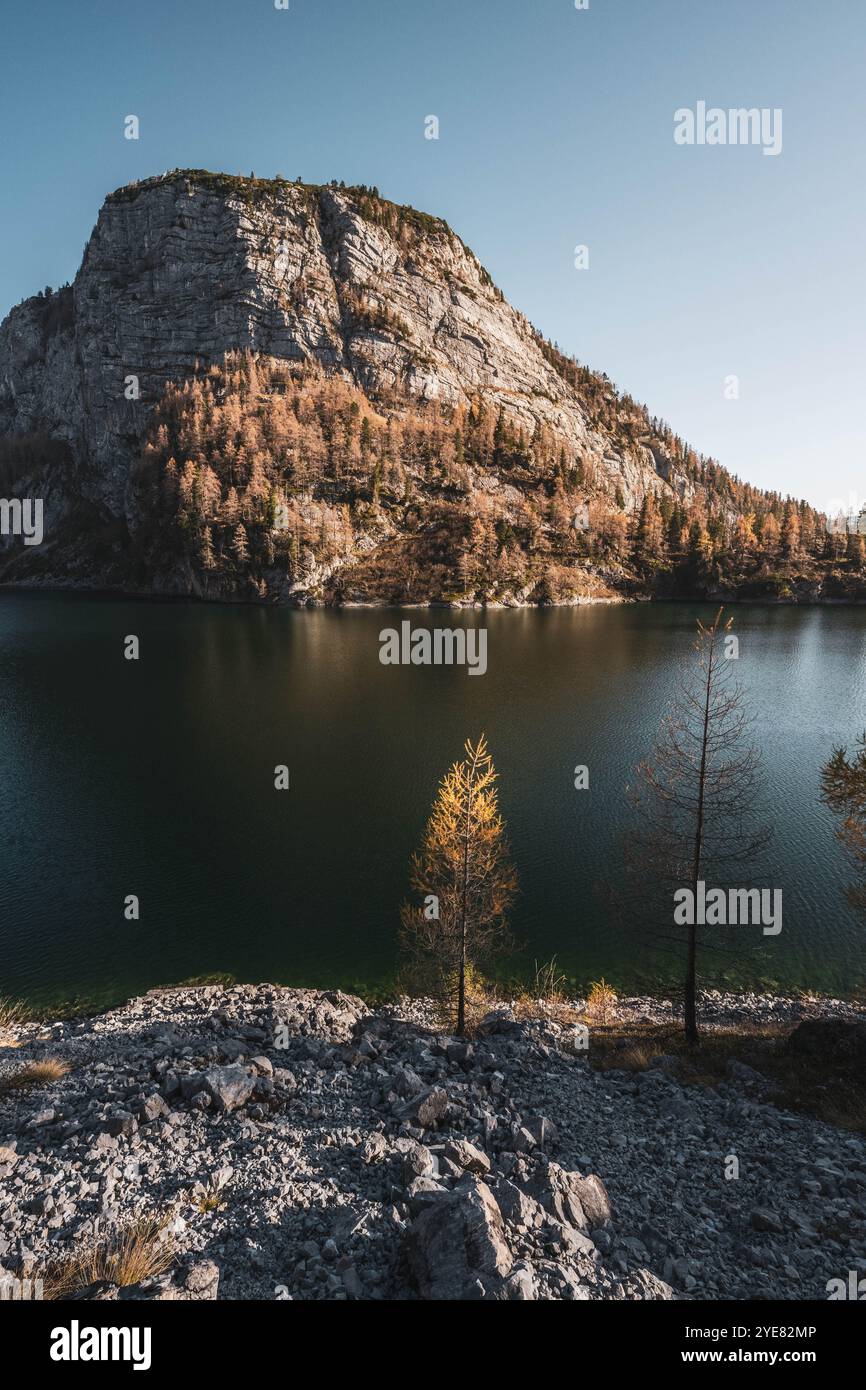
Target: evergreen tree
{"x":843,"y":789}
{"x":240,"y":546}
{"x":854,"y":551}
{"x":206,"y":555}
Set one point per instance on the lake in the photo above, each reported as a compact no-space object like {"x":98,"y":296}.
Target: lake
{"x":156,"y":778}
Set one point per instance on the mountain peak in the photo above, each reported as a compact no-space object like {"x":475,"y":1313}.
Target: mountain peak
{"x":365,"y":197}
{"x":189,"y":273}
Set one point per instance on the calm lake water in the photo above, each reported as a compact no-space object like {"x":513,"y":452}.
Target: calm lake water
{"x":156,"y":778}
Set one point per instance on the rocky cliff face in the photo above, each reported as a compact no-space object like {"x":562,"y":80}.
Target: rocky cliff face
{"x":187,"y":267}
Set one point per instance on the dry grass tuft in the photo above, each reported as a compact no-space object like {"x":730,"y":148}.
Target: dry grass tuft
{"x":529,"y":1007}
{"x":547,"y":998}
{"x":127,"y":1256}
{"x":601,"y":1002}
{"x":12,"y":1014}
{"x":635,"y":1058}
{"x":34,"y":1074}
{"x":549,"y":982}
{"x":212,"y":1201}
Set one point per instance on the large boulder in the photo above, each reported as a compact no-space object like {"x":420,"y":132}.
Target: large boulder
{"x":456,"y":1248}
{"x":419,"y":1162}
{"x":230,"y":1087}
{"x":593,"y":1197}
{"x":641,"y":1284}
{"x":467,"y":1157}
{"x":570,"y":1198}
{"x":499,"y":1022}
{"x":519,"y":1210}
{"x":426,"y":1109}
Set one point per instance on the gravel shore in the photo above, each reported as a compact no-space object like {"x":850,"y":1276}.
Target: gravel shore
{"x":298,"y":1144}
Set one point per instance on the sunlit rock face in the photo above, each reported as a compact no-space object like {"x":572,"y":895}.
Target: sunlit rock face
{"x":186,"y":267}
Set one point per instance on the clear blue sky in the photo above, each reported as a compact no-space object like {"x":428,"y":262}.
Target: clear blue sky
{"x":556,"y":128}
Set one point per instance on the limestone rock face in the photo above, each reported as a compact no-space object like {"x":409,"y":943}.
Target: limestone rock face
{"x":188,"y":266}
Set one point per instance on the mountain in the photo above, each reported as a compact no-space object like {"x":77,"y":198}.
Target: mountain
{"x":269,"y":390}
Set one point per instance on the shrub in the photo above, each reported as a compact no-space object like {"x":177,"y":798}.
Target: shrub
{"x":128,"y":1255}
{"x":12,"y":1013}
{"x":40,"y":1073}
{"x":601,"y":1003}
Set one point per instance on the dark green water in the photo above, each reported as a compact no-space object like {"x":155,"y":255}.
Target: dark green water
{"x":156,"y":778}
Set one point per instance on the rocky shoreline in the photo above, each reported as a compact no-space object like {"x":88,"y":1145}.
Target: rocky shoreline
{"x":298,"y":1144}
{"x":86,"y":589}
{"x":304,"y":600}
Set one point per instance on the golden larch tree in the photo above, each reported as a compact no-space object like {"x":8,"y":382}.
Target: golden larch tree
{"x":464,"y":873}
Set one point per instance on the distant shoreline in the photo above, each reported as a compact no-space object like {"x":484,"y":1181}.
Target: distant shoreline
{"x":317,"y":605}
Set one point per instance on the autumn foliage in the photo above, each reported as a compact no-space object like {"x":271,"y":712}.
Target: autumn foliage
{"x":262,"y":476}
{"x":466,"y":881}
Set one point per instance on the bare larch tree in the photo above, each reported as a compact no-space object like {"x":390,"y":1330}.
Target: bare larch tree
{"x":694,"y":799}
{"x":843,"y":789}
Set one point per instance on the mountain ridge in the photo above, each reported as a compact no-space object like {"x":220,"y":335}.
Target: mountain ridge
{"x":189,"y":273}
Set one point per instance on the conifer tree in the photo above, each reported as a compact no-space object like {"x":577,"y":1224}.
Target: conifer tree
{"x":694,"y":800}
{"x":464,"y":874}
{"x":206,"y":555}
{"x":843,"y":789}
{"x":239,"y":544}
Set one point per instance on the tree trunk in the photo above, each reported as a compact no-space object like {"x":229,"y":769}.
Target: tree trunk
{"x":463,"y":897}
{"x":461,"y":982}
{"x":690,"y":1015}
{"x":461,"y":969}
